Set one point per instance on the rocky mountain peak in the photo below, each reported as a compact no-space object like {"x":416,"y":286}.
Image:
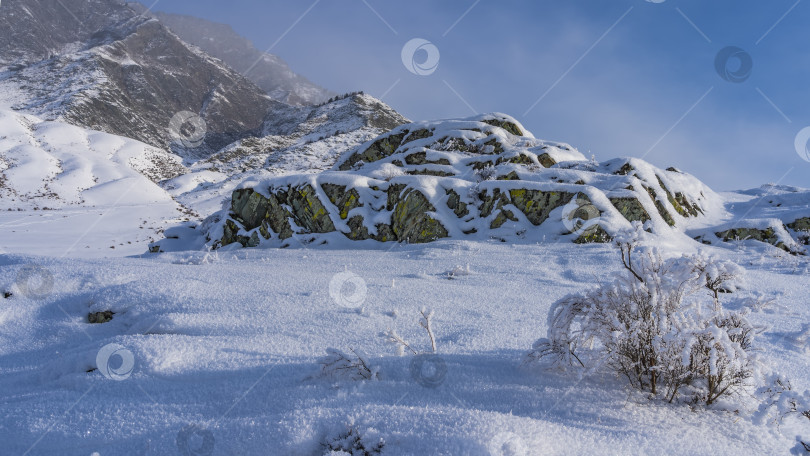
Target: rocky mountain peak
{"x":121,"y":72}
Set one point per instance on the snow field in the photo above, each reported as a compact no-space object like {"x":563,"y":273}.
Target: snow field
{"x":230,"y":343}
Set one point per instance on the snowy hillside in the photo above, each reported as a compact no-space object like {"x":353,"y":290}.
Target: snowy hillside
{"x":60,"y":184}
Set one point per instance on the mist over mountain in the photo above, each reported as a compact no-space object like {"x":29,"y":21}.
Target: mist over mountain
{"x":267,"y":71}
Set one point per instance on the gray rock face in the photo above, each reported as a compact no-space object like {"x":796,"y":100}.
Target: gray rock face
{"x":267,"y":71}
{"x":102,"y":65}
{"x":31,"y":30}
{"x":309,"y":138}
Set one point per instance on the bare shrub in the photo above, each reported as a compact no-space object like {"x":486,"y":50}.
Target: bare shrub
{"x":354,"y":366}
{"x":425,"y":322}
{"x":659,"y":324}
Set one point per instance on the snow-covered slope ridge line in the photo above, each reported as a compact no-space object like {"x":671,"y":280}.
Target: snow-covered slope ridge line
{"x":55,"y":165}
{"x":303,"y":139}
{"x":479,"y":178}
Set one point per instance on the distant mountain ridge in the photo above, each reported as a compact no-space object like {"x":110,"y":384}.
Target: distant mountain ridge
{"x":268,"y":71}
{"x":120,"y":72}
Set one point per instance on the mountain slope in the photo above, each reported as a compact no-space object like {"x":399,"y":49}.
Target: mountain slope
{"x":61,"y":184}
{"x":121,"y":72}
{"x":295,"y":140}
{"x":267,"y":71}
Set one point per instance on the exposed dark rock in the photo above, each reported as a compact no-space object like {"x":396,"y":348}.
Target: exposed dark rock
{"x":100,"y":317}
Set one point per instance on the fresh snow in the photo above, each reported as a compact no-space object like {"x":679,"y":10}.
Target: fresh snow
{"x":70,"y":191}
{"x":230,"y":342}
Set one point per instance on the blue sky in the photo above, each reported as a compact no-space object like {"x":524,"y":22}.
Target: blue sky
{"x":613,"y":77}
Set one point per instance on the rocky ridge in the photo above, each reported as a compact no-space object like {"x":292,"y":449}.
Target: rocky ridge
{"x":480,"y":178}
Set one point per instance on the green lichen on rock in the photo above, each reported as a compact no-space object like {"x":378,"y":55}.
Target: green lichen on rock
{"x":501,"y":218}
{"x":308,"y":210}
{"x":522,"y":159}
{"x":679,"y":202}
{"x":662,"y":211}
{"x":410,"y":221}
{"x":490,"y":202}
{"x":253,"y":210}
{"x":495,"y":143}
{"x":479,"y":165}
{"x":519,"y":159}
{"x":512,"y":176}
{"x":420,"y":158}
{"x":344,"y":200}
{"x":394,"y":193}
{"x":357,"y":230}
{"x":420,"y":133}
{"x":546,"y":160}
{"x":230,"y":234}
{"x":454,"y":202}
{"x":379,"y":149}
{"x":692,"y":208}
{"x":593,"y":235}
{"x":429,"y":172}
{"x":506,"y":125}
{"x":631,"y":209}
{"x":802,"y":224}
{"x":536,"y":205}
{"x":741,"y":234}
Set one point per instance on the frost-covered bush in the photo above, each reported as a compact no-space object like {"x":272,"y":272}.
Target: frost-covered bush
{"x":486,"y":173}
{"x":353,"y":443}
{"x":659,"y":324}
{"x":344,"y":366}
{"x":778,"y":401}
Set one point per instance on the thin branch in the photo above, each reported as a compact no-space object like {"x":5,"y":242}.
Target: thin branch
{"x":425,"y":323}
{"x":395,"y":338}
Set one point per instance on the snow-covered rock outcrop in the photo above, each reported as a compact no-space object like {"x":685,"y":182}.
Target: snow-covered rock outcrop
{"x":483,"y":177}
